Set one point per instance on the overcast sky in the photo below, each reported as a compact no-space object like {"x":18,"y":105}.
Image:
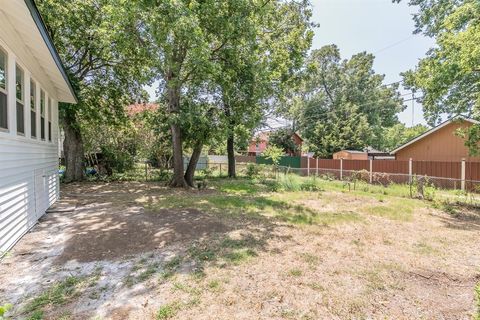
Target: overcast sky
{"x":376,"y":26}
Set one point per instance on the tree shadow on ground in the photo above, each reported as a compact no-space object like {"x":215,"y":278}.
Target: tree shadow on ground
{"x":107,"y":226}
{"x":461,"y":216}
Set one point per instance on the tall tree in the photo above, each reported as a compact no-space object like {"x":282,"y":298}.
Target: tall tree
{"x":449,"y":75}
{"x":259,"y":63}
{"x":224,"y":43}
{"x":399,"y":134}
{"x":343,"y":103}
{"x":104,"y":59}
{"x":186,"y":39}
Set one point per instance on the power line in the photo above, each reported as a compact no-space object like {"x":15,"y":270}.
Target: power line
{"x":316,"y":117}
{"x":390,"y":84}
{"x":393,"y":44}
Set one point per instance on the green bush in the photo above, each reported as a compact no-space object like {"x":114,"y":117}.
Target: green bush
{"x":290,"y":182}
{"x":310,"y":185}
{"x":117,"y":160}
{"x":252,"y":170}
{"x":4,"y":309}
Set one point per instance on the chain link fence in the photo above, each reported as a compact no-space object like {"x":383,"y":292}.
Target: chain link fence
{"x":385,"y":178}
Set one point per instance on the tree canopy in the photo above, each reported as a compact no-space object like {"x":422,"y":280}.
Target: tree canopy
{"x":449,"y":75}
{"x":98,"y":41}
{"x":343,"y":103}
{"x":231,"y":56}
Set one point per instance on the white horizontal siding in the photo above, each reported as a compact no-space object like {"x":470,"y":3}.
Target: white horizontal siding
{"x":28,"y":167}
{"x":28,"y":185}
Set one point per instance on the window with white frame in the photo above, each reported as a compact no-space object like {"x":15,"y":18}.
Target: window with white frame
{"x":3,"y":90}
{"x":33,"y":109}
{"x":42,"y":114}
{"x":49,"y":117}
{"x":20,"y":105}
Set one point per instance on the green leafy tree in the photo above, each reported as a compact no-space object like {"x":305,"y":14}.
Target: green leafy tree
{"x":399,"y":134}
{"x":258,"y":62}
{"x":449,"y":75}
{"x":283,"y":138}
{"x":273,"y":153}
{"x":105,"y":60}
{"x":234,"y":48}
{"x":343,"y":104}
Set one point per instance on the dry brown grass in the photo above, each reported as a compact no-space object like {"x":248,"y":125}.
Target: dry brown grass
{"x":242,"y":252}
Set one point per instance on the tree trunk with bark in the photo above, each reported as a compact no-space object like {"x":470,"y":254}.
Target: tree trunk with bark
{"x":230,"y":141}
{"x":73,"y":150}
{"x":173,"y":100}
{"x":192,"y":164}
{"x":231,"y":154}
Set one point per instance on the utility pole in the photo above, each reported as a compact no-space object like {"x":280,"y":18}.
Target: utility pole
{"x":413,"y":108}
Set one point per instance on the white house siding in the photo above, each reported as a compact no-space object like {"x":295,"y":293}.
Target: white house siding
{"x":29,"y":181}
{"x":28,"y":186}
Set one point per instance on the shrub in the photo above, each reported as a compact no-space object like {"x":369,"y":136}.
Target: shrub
{"x":310,"y":185}
{"x":290,"y":182}
{"x":4,"y":309}
{"x":252,"y":170}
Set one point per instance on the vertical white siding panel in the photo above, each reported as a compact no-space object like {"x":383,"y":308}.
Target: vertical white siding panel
{"x":12,"y":124}
{"x":28,"y":127}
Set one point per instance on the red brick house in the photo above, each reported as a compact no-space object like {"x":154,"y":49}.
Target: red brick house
{"x":260,"y":142}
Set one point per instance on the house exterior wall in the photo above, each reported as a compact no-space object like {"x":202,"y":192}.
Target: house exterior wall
{"x":257,"y":147}
{"x":29,"y":181}
{"x":344,"y":154}
{"x":441,"y":145}
{"x":260,"y":143}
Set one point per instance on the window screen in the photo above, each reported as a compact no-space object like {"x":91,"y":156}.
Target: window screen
{"x":42,"y":115}
{"x":3,"y":90}
{"x":33,"y":109}
{"x":20,"y":100}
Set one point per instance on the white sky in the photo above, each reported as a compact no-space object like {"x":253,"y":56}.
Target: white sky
{"x":376,"y":26}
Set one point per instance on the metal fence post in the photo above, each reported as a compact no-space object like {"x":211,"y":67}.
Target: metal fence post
{"x":463,"y":174}
{"x":371,"y":171}
{"x":317,"y":166}
{"x":410,"y":170}
{"x":341,"y":168}
{"x":308,"y":166}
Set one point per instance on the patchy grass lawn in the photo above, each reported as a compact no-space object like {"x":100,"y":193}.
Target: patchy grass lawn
{"x":296,"y":248}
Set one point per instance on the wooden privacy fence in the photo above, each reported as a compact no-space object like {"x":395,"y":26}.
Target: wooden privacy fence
{"x":452,"y":175}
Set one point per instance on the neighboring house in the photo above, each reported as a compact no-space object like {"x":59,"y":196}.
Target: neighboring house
{"x":260,"y":142}
{"x":441,"y":143}
{"x":368,"y":154}
{"x":351,"y":155}
{"x":137,"y":108}
{"x":32,"y":82}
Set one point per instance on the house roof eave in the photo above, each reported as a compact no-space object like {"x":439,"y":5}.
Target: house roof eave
{"x":37,"y":18}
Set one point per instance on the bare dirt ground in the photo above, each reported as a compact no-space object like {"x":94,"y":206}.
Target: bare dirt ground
{"x":129,"y":259}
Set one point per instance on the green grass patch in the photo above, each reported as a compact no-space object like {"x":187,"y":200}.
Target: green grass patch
{"x":168,"y":311}
{"x":224,"y":251}
{"x":426,"y":249}
{"x":59,"y":293}
{"x":394,"y":209}
{"x":295,"y":272}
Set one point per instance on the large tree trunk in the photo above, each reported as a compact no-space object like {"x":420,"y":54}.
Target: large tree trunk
{"x":230,"y":141}
{"x":192,"y":164}
{"x":178,"y":180}
{"x":231,"y":154}
{"x":73,"y":150}
{"x":173,"y":98}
